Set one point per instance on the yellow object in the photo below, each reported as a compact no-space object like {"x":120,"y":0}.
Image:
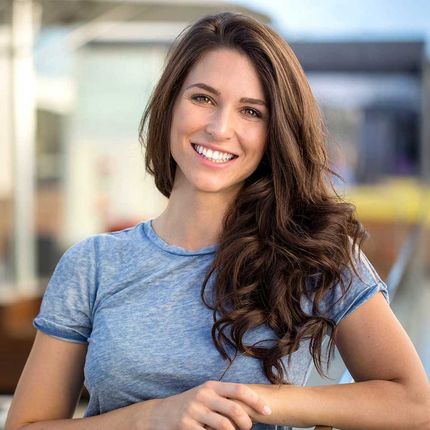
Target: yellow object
{"x":399,"y":199}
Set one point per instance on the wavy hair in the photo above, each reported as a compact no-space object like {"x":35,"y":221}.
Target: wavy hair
{"x":288,"y":234}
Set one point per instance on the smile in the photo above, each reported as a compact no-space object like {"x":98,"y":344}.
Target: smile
{"x":214,"y":156}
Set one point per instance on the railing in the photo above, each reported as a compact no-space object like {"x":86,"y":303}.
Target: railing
{"x":394,"y":280}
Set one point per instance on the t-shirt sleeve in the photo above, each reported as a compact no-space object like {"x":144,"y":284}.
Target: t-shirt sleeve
{"x":65,"y":311}
{"x":340,"y":304}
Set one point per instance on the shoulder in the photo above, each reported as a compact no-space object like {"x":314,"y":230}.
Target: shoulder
{"x":104,"y":244}
{"x":360,"y":282}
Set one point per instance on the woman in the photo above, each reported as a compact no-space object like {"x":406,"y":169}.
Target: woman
{"x":234,"y":139}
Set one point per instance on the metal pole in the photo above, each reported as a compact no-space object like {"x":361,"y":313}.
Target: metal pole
{"x":23,"y":141}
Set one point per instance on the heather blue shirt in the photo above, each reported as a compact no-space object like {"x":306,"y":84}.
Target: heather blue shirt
{"x":135,"y":300}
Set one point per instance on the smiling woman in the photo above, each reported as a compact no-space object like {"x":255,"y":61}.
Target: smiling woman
{"x":214,"y":120}
{"x":235,"y":140}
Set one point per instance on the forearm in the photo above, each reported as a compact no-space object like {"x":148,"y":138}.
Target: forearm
{"x":357,"y":406}
{"x":130,"y":417}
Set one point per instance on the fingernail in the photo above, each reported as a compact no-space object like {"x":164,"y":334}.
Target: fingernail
{"x":267,"y":410}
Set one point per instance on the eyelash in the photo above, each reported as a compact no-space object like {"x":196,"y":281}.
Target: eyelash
{"x":257,"y":113}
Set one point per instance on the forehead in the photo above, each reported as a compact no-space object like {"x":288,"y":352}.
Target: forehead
{"x":226,"y":70}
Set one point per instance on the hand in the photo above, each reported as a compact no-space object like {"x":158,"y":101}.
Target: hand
{"x":212,"y":405}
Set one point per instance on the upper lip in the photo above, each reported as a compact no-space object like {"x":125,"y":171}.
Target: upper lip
{"x":213,"y":148}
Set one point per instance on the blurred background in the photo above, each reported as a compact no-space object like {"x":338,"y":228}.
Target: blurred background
{"x":75,"y":76}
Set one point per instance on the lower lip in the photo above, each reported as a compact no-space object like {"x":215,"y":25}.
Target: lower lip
{"x":213,"y":164}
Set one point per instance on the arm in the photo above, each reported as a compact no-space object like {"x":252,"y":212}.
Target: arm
{"x":119,"y":419}
{"x":391,"y":389}
{"x":50,"y":386}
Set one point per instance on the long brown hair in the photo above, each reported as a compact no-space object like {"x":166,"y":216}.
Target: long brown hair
{"x":288,"y":234}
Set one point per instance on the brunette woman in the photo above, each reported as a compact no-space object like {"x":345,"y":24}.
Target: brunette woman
{"x":212,"y":314}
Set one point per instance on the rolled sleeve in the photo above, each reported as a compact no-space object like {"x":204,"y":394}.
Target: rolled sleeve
{"x":65,"y":311}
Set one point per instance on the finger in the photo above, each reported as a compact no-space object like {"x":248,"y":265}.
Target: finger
{"x":243,"y":393}
{"x":210,"y":419}
{"x":323,"y":428}
{"x":232,"y":410}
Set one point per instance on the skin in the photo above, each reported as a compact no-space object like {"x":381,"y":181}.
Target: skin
{"x":201,"y":193}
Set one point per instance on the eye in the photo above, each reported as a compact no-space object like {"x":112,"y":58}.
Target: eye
{"x":201,"y":98}
{"x":253,"y":112}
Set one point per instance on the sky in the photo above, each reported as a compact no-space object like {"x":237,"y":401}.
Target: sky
{"x":348,"y":20}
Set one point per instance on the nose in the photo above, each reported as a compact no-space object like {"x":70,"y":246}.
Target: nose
{"x":221,"y":125}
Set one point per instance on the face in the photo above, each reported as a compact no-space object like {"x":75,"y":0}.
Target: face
{"x":219,"y":124}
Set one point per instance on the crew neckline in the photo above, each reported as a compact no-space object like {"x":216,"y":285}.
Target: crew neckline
{"x":173,"y":249}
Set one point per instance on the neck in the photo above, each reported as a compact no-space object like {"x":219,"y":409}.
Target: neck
{"x":193,"y":219}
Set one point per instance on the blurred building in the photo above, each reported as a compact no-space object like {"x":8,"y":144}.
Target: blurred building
{"x":372,"y":94}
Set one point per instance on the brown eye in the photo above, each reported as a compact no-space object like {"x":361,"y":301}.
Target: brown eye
{"x":201,"y":98}
{"x":253,"y":112}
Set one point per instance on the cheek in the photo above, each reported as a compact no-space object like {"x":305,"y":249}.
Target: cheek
{"x":178,"y":128}
{"x":256,"y":140}
{"x":187,"y":117}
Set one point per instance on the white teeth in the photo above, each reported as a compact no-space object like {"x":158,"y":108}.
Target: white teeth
{"x":218,"y":157}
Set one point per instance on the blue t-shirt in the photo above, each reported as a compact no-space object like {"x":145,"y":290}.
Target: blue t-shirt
{"x":135,"y":300}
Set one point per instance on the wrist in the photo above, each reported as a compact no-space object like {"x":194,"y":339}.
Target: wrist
{"x":143,"y":417}
{"x":269,"y":393}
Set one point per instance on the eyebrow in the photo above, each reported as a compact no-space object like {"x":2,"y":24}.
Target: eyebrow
{"x":216,"y":92}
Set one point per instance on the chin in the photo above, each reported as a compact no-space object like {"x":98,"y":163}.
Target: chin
{"x":216,"y":188}
{"x":209,"y":189}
